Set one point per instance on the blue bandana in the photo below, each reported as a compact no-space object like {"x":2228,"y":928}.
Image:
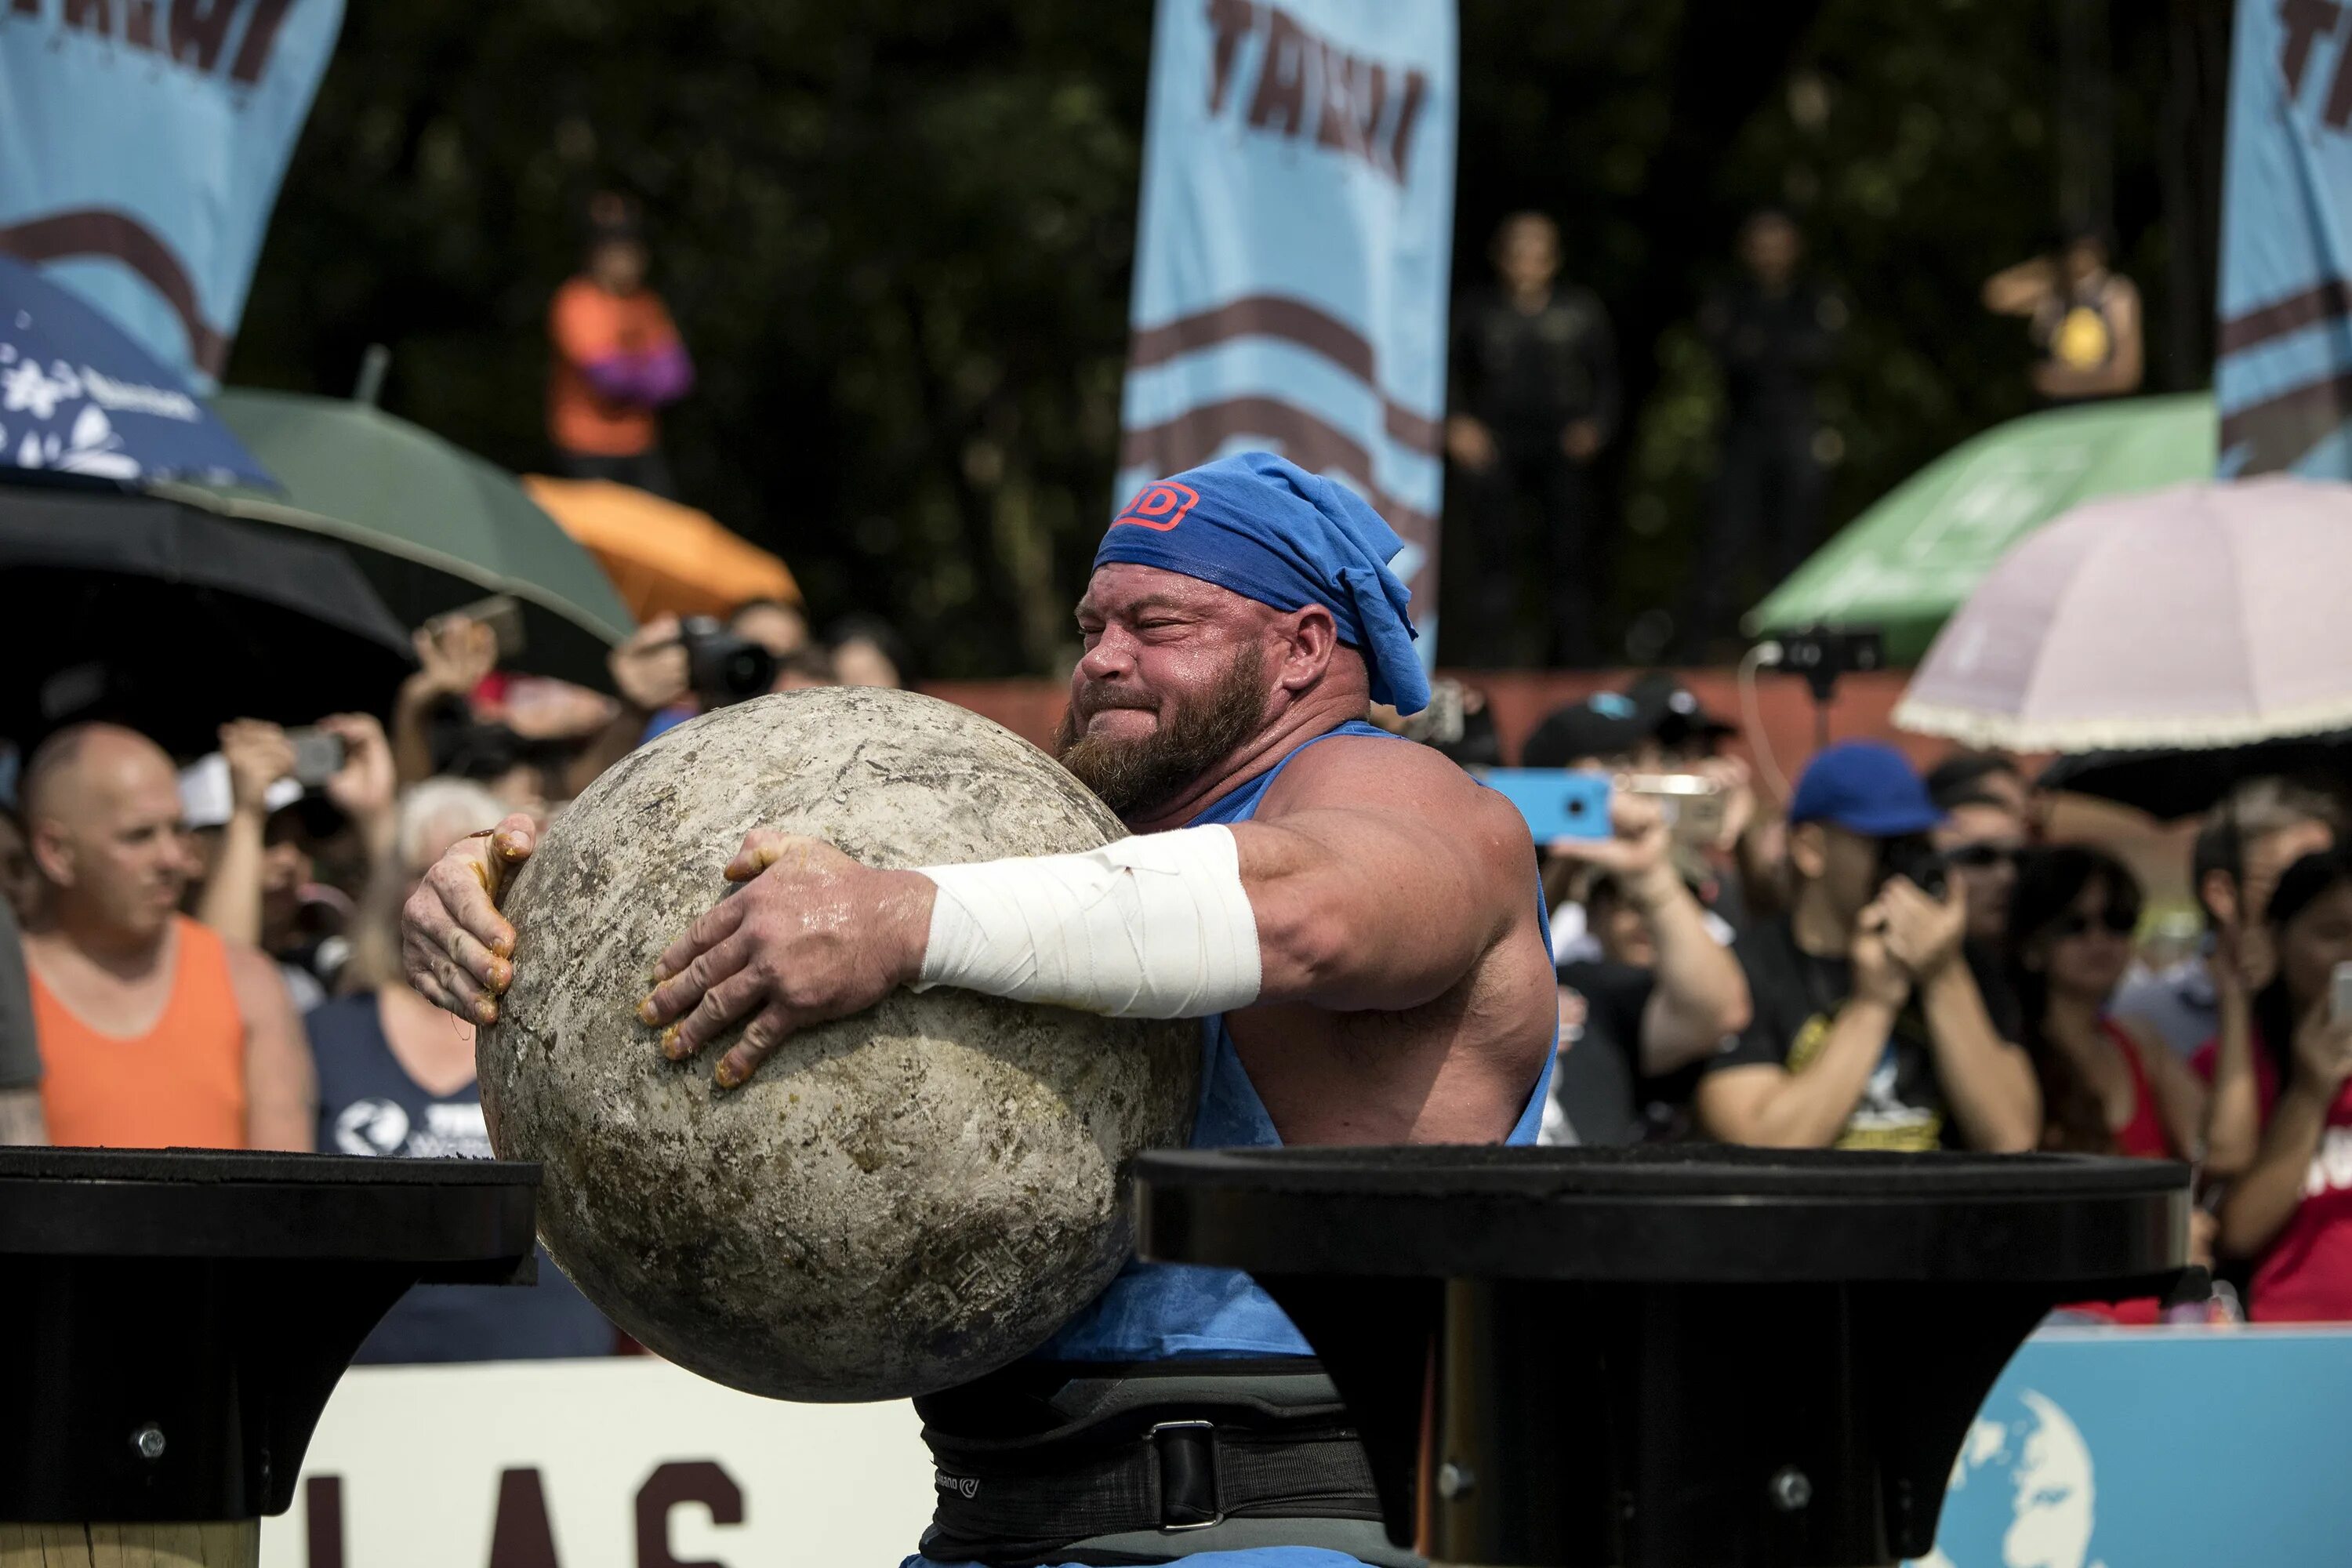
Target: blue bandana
{"x":1270,"y":530}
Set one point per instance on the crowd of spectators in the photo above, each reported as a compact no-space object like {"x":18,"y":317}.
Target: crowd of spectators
{"x":1902,"y":962}
{"x":203,"y":955}
{"x":206,"y":955}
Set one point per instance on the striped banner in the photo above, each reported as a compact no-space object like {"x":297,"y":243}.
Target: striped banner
{"x":2283,"y":378}
{"x":1290,"y":282}
{"x":141,"y":146}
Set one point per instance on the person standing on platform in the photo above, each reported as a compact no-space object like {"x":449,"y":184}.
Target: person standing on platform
{"x":1534,"y":398}
{"x":1774,"y":332}
{"x":2084,"y":319}
{"x":618,"y":361}
{"x":155,"y":1031}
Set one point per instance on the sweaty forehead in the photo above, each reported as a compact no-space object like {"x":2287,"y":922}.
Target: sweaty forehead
{"x":1123,"y":588}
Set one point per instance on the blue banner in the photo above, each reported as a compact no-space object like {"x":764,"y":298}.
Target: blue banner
{"x":142,"y":142}
{"x":2157,"y":1448}
{"x":1291,"y":258}
{"x":2284,"y":373}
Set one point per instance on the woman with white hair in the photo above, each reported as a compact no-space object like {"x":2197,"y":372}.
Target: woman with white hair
{"x":396,"y":1078}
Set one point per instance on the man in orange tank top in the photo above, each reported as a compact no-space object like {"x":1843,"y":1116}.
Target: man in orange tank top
{"x":154,"y":1032}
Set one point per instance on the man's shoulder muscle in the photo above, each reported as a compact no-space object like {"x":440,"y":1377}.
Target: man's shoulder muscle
{"x":1391,"y":776}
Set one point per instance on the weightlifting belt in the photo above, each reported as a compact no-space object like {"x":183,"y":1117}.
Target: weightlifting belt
{"x":1044,"y":1464}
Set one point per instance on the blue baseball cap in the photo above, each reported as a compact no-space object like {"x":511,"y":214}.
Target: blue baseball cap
{"x":1865,"y":787}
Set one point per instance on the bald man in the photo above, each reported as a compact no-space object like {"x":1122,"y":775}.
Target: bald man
{"x":154,"y":1030}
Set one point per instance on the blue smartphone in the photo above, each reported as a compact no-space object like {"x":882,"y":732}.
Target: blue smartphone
{"x":1557,"y":803}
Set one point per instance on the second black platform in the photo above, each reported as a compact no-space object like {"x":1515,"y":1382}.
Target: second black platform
{"x":1666,"y":1357}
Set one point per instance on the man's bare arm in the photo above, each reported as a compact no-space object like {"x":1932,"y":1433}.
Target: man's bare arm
{"x":281,"y":1089}
{"x":1988,"y":1081}
{"x":2234,"y":1112}
{"x":1772,"y":1107}
{"x":20,"y":1117}
{"x":1381,"y":906}
{"x":2261,"y":1200}
{"x":1701,"y":995}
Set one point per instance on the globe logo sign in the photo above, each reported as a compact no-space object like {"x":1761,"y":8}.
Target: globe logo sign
{"x":2022,"y":1493}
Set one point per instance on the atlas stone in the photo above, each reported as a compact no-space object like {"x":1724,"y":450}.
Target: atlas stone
{"x":897,"y":1202}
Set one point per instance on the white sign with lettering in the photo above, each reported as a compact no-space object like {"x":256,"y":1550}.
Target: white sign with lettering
{"x":624,"y":1463}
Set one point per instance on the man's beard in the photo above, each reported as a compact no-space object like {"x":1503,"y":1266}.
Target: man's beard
{"x":1140,"y":776}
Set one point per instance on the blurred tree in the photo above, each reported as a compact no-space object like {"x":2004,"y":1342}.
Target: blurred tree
{"x":897,"y":237}
{"x":894,"y":237}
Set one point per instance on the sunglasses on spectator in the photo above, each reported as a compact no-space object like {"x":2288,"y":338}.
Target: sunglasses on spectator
{"x":1979,"y":857}
{"x":2116,"y":920}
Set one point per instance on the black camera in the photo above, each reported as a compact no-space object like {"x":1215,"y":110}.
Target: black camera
{"x":721,"y":667}
{"x":1913,"y":856}
{"x":1822,"y":654}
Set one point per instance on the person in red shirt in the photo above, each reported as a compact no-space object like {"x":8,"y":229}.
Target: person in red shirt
{"x":617,"y":360}
{"x":2106,"y":1088}
{"x":2285,"y":1077}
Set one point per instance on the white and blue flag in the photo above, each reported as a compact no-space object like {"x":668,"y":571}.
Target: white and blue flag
{"x":141,"y":144}
{"x":2284,"y":373}
{"x":1292,"y":254}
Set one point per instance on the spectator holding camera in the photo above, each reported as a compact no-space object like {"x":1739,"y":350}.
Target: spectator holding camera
{"x":667,"y":671}
{"x":1981,"y":796}
{"x":2285,"y":1086}
{"x":1653,"y":726}
{"x":1871,"y":1028}
{"x":1663,"y":992}
{"x":261,"y":860}
{"x":2246,"y":841}
{"x":455,"y":654}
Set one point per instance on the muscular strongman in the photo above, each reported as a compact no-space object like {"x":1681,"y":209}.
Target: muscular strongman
{"x":1356,"y":923}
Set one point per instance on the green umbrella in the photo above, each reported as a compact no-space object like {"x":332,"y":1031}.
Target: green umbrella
{"x":431,"y":526}
{"x":1906,"y":564}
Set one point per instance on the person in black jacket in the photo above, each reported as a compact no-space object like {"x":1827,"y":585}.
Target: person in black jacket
{"x":1534,"y":399}
{"x":1774,"y":329}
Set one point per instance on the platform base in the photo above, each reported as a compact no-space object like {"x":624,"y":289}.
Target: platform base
{"x":228,"y":1543}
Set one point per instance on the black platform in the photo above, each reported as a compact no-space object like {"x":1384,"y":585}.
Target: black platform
{"x":1675,"y":1357}
{"x":173,"y":1321}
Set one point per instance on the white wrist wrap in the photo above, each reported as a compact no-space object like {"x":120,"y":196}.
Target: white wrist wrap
{"x":1156,"y":926}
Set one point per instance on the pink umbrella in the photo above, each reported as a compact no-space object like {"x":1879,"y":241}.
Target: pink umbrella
{"x":2202,"y":615}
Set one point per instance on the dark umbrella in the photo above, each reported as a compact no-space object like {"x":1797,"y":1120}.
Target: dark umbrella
{"x":171,"y":618}
{"x":79,"y":395}
{"x":2171,"y":784}
{"x":434,"y":526}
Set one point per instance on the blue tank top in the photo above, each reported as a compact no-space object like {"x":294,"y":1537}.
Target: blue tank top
{"x":1156,"y":1311}
{"x":369,"y":1105}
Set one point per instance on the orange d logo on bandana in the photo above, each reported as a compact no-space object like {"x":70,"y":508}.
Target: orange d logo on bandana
{"x":1159,"y":505}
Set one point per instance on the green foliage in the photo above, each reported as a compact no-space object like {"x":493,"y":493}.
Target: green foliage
{"x":897,"y":237}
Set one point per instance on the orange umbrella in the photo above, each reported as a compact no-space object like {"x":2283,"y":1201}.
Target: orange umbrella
{"x":666,"y":559}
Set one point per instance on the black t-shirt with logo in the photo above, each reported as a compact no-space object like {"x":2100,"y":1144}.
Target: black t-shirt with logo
{"x":369,"y":1105}
{"x":1797,"y":995}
